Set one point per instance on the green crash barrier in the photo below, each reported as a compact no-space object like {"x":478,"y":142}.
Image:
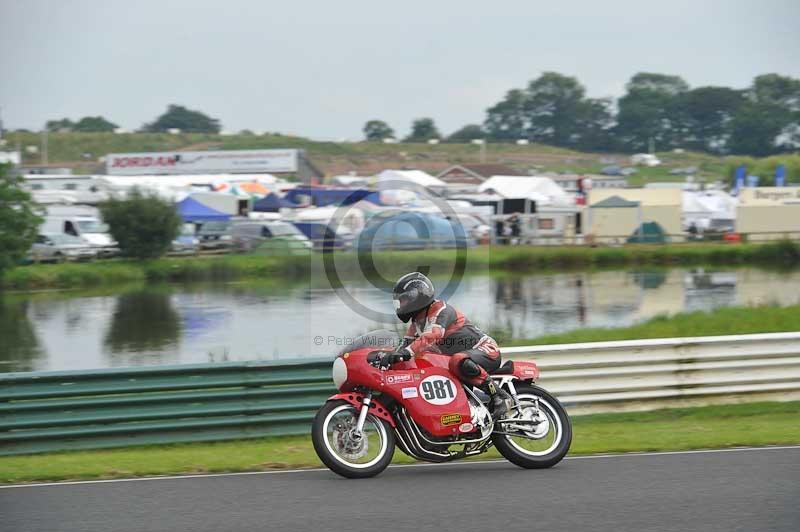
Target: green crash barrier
{"x":67,"y":410}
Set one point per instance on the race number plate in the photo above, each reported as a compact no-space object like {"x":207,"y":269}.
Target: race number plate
{"x":438,"y":390}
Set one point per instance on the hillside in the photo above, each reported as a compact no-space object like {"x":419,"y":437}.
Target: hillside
{"x":82,"y":151}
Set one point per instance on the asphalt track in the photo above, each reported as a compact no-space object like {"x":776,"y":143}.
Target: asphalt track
{"x":747,"y":489}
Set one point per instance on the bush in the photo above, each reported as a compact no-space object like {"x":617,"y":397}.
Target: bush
{"x":19,"y":220}
{"x":143,"y":225}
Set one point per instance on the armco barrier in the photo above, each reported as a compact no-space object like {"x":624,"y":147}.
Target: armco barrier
{"x":603,"y":376}
{"x":47,"y":411}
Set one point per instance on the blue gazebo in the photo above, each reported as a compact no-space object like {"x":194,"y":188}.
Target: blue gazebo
{"x":192,"y":210}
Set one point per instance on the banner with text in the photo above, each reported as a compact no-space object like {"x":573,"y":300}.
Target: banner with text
{"x":202,"y":162}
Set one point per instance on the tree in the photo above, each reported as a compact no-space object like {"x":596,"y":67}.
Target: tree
{"x":65,"y":124}
{"x":94,"y":124}
{"x":708,"y":113}
{"x":144,"y":226}
{"x":467,"y":133}
{"x":769,"y":119}
{"x":19,"y":220}
{"x":506,"y":120}
{"x":188,"y":121}
{"x":552,"y":104}
{"x":423,"y":130}
{"x":594,"y":124}
{"x":774,"y":89}
{"x":663,"y":83}
{"x":552,"y":110}
{"x":755,"y":129}
{"x":651,"y":109}
{"x":377,"y":130}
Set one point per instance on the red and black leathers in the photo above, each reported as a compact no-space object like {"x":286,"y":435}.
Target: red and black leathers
{"x":444,"y":328}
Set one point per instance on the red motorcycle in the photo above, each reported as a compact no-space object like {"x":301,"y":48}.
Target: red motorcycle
{"x":421,"y":407}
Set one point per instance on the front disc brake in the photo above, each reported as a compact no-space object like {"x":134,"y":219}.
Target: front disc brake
{"x":348,"y":447}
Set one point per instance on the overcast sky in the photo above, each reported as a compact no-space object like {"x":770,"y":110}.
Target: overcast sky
{"x":321,"y":69}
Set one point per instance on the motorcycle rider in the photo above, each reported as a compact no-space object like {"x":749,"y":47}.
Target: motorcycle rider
{"x":435,"y":325}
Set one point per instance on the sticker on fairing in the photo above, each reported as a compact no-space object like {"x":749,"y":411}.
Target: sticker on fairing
{"x":466,"y":427}
{"x":397,"y":379}
{"x":450,"y":419}
{"x":409,"y":393}
{"x":438,"y":390}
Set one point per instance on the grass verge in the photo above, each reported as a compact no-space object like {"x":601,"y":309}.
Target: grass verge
{"x":519,"y":259}
{"x":751,"y":424}
{"x":722,"y":321}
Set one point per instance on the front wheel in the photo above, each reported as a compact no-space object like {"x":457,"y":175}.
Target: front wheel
{"x":343,"y":451}
{"x":544,"y":434}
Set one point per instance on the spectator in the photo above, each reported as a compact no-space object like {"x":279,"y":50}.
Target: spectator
{"x":500,"y":231}
{"x":514,"y":222}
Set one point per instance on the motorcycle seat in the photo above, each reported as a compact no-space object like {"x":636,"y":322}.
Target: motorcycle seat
{"x":505,"y":369}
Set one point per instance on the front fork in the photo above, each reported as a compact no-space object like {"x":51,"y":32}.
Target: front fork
{"x":362,"y":415}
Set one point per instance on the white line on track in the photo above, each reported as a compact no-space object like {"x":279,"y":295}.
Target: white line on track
{"x":395,"y":466}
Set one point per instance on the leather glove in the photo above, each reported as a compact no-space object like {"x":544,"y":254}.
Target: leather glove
{"x":390,"y":358}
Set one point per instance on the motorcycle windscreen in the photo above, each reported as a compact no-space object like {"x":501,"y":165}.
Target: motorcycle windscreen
{"x":379,"y":340}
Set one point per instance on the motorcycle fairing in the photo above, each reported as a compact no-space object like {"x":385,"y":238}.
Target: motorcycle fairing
{"x":433,"y":397}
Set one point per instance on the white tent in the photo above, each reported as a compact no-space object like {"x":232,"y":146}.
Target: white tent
{"x":417,"y":177}
{"x":700,"y":208}
{"x":351,"y":218}
{"x":543,"y":190}
{"x":400,"y":187}
{"x":350,"y":180}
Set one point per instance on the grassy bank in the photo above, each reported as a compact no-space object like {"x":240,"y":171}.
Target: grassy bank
{"x":722,"y":321}
{"x":662,"y":430}
{"x":520,"y":259}
{"x":68,"y":149}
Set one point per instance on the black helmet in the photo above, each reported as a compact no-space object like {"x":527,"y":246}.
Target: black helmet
{"x":412,"y":293}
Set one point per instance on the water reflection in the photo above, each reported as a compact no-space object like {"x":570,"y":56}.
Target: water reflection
{"x":19,"y":345}
{"x":249,"y":321}
{"x":650,"y":279}
{"x":144,"y":326}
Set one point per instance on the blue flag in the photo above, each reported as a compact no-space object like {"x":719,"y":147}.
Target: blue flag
{"x":780,"y":175}
{"x":741,"y":171}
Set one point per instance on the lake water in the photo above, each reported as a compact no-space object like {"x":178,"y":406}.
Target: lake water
{"x":245,"y":321}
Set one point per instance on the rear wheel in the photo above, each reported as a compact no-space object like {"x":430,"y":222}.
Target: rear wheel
{"x":343,"y":451}
{"x":543,"y":436}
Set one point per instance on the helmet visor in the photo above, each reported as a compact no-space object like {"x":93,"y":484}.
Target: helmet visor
{"x":405,"y":301}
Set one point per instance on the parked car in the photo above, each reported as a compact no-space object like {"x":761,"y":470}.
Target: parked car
{"x":323,"y":237}
{"x":269,"y":237}
{"x":186,"y":242}
{"x":473,"y":227}
{"x":215,"y":235}
{"x":59,"y":248}
{"x":645,"y":159}
{"x":411,"y":230}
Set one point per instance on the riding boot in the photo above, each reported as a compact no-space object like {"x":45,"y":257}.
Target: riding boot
{"x":501,"y":401}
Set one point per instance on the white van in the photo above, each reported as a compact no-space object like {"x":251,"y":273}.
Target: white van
{"x":84,"y":226}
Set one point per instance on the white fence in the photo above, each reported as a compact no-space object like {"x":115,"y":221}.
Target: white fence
{"x":646,"y":374}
